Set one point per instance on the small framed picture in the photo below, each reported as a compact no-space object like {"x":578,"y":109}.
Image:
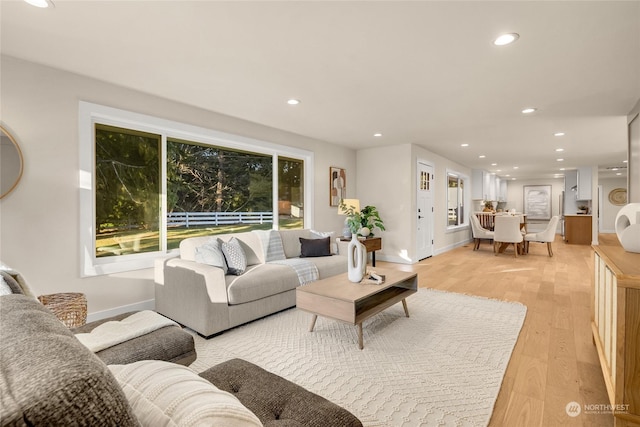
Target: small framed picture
{"x":337,"y":185}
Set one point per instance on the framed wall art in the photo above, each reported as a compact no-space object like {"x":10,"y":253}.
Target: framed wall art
{"x":337,"y":185}
{"x":537,"y":201}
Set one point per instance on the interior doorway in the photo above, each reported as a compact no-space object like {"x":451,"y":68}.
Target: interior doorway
{"x":424,"y":206}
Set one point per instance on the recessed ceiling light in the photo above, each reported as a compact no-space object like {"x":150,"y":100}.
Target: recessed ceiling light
{"x":507,"y":175}
{"x":513,"y":179}
{"x":614,"y":169}
{"x":562,"y":169}
{"x":499,"y":170}
{"x":619,"y":173}
{"x":293,"y":101}
{"x":505,"y":39}
{"x":516,"y":167}
{"x":558,"y":134}
{"x":559,"y":160}
{"x":529,"y":110}
{"x":625,"y":161}
{"x":482,"y":156}
{"x":559,"y":149}
{"x":40,"y":3}
{"x":494,"y":164}
{"x":464,"y":145}
{"x":377,"y":134}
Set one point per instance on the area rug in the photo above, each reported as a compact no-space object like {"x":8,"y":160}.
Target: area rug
{"x":443,"y":366}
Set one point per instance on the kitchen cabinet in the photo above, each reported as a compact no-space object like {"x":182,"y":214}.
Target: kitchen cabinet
{"x":584,"y":183}
{"x":577,"y":229}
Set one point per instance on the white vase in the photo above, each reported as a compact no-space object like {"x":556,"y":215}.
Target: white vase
{"x":628,"y":227}
{"x":356,"y":260}
{"x":364,"y":231}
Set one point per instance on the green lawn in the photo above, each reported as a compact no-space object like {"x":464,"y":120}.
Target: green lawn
{"x":134,"y":241}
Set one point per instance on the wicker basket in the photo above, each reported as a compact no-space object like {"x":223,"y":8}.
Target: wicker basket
{"x":70,"y":308}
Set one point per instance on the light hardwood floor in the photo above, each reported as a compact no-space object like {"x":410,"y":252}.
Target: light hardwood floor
{"x":554,"y":361}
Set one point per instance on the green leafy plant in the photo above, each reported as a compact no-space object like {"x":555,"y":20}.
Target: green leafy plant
{"x":370,"y":218}
{"x":367,"y":217}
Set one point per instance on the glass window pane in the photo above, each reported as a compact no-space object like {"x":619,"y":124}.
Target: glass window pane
{"x":214,"y":190}
{"x":290,"y":193}
{"x":127,"y":192}
{"x":452,"y":200}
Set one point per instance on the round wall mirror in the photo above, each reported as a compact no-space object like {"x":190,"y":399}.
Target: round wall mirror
{"x":11,"y":162}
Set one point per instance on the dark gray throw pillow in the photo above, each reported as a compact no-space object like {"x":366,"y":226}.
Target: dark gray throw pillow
{"x":315,"y":247}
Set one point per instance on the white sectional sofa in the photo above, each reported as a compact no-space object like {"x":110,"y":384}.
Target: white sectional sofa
{"x":205,"y":299}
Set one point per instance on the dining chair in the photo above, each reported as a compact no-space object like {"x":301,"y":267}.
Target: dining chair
{"x":507,"y":232}
{"x":479,"y":232}
{"x":547,"y":236}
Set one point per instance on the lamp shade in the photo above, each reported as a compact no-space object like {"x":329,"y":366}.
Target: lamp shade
{"x":348,"y":203}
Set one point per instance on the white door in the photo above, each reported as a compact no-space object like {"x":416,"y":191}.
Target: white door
{"x":424,"y":204}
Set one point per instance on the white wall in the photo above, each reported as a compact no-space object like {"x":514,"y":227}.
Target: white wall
{"x":515,"y":199}
{"x":387,"y":179}
{"x":608,"y":211}
{"x":39,"y":232}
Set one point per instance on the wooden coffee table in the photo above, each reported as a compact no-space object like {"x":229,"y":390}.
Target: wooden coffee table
{"x":338,"y":298}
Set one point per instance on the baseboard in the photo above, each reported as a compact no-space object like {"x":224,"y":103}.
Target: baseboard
{"x":452,"y":247}
{"x":142,"y":305}
{"x":393,"y":259}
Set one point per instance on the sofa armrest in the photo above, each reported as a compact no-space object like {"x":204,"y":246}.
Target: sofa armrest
{"x":158,"y":268}
{"x":212,"y":277}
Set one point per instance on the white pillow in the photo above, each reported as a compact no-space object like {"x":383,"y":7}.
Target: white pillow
{"x":322,"y":234}
{"x":211,"y":253}
{"x":167,"y":394}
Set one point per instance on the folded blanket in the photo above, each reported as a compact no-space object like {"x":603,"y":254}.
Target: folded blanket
{"x":115,"y":332}
{"x":306,"y":270}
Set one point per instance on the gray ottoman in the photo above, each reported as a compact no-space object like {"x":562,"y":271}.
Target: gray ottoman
{"x":170,"y":344}
{"x":276,"y":401}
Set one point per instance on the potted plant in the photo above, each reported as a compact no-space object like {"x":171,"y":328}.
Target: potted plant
{"x":362,"y":222}
{"x":370,"y":219}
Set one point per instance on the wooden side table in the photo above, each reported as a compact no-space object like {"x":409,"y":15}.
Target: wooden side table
{"x":372,"y":244}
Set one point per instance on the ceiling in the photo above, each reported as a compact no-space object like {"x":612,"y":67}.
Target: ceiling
{"x":425,"y":73}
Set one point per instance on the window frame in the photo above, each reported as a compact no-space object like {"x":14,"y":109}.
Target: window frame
{"x":464,"y":221}
{"x":90,"y":114}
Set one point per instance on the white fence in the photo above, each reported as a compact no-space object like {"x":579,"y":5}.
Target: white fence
{"x":194,"y":219}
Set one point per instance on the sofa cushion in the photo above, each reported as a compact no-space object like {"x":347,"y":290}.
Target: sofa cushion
{"x":330,"y":265}
{"x":170,"y":343}
{"x":260,"y":281}
{"x":291,"y":241}
{"x":249,"y":241}
{"x":211,"y":253}
{"x":234,"y":256}
{"x":48,"y":377}
{"x":315,"y":247}
{"x":275,"y":400}
{"x":271,"y":245}
{"x":166,"y":394}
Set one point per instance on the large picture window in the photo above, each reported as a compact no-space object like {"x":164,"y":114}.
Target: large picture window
{"x":147,"y":184}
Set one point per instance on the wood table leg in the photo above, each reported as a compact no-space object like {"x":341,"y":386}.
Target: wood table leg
{"x":406,"y":309}
{"x":313,"y":322}
{"x":360,"y":340}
